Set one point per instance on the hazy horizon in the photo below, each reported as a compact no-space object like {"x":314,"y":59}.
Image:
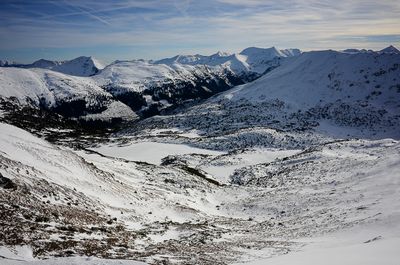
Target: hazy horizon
{"x":168,"y":56}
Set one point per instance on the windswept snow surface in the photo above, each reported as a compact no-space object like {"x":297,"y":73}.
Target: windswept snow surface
{"x":368,"y":246}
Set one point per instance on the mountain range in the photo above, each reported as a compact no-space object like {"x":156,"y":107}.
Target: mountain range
{"x":82,"y":89}
{"x":90,"y":91}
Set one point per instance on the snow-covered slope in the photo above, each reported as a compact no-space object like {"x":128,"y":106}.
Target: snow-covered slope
{"x":68,"y":95}
{"x":349,"y":89}
{"x":139,"y":75}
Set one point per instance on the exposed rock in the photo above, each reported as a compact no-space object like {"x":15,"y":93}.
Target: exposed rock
{"x":6,"y":183}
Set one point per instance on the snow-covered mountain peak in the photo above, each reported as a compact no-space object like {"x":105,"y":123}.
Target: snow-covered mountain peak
{"x":220,"y":54}
{"x":92,"y":60}
{"x":269,"y":53}
{"x":255,"y":51}
{"x":80,"y":66}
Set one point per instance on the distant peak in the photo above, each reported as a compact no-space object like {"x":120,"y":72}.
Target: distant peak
{"x":223,"y":53}
{"x":89,"y":59}
{"x":390,"y":49}
{"x":220,"y":54}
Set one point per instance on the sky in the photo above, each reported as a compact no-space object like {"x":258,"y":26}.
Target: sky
{"x":154,"y":29}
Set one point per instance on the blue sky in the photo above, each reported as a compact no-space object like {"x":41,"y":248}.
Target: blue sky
{"x":152,"y":29}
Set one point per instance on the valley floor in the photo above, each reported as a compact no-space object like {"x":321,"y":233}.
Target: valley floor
{"x":160,"y":200}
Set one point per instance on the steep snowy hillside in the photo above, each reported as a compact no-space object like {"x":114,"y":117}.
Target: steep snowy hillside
{"x":70,"y":96}
{"x":355,"y":90}
{"x":325,"y":76}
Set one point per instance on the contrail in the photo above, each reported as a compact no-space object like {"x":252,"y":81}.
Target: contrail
{"x":83,"y":11}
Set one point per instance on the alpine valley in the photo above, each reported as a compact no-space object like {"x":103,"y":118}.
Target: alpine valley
{"x":266,"y":156}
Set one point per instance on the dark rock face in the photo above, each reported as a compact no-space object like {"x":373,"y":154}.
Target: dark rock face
{"x":200,"y":89}
{"x":6,"y":183}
